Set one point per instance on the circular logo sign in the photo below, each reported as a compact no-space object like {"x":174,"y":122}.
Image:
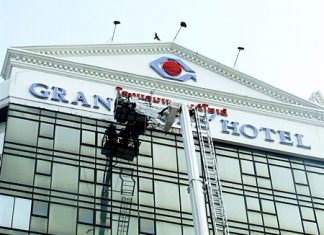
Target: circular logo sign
{"x":172,"y":68}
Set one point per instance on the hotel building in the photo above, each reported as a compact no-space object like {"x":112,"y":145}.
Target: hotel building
{"x":56,"y":103}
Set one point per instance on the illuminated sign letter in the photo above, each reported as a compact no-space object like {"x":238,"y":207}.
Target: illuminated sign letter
{"x":41,"y":94}
{"x":247,"y":134}
{"x":268,"y":132}
{"x":81,"y":97}
{"x":233,"y":127}
{"x":59,"y":94}
{"x":285,"y":138}
{"x":106,"y":103}
{"x":300,"y":142}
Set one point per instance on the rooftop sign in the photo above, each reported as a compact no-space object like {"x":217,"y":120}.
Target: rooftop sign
{"x":172,"y":68}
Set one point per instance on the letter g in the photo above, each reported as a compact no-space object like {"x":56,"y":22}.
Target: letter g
{"x":41,"y":94}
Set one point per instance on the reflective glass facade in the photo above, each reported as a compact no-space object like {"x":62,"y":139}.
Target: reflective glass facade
{"x":53,"y":180}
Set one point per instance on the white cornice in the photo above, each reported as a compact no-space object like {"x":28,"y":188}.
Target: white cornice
{"x":39,"y":62}
{"x":170,"y":47}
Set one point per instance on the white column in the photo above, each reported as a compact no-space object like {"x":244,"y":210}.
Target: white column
{"x":195,"y":185}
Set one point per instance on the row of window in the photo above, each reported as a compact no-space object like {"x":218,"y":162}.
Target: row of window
{"x":61,"y":162}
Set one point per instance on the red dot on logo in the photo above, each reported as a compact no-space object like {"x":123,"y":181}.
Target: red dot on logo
{"x":172,"y":68}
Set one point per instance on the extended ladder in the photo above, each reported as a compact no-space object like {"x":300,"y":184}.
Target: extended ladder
{"x":211,"y":176}
{"x":127,"y":192}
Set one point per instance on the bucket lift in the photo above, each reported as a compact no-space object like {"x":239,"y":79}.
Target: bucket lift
{"x":124,"y":144}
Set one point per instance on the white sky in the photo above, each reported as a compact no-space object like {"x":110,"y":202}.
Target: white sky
{"x":283,"y":39}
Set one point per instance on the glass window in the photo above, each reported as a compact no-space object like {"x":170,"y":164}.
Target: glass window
{"x":85,"y":215}
{"x":270,"y":220}
{"x":145,"y":148}
{"x":264,"y":183}
{"x":235,"y":207}
{"x":289,"y":217}
{"x":262,"y":169}
{"x":67,"y":139}
{"x":62,"y":219}
{"x":166,"y":195}
{"x":268,"y":206}
{"x":22,"y":131}
{"x":146,"y":199}
{"x":2,"y":134}
{"x":42,"y":181}
{"x":43,"y":167}
{"x":316,"y":182}
{"x":185,"y":199}
{"x":146,"y":184}
{"x":21,"y":215}
{"x":87,"y":174}
{"x":182,"y":160}
{"x":247,"y":167}
{"x":45,"y":143}
{"x":65,"y":177}
{"x":255,"y":218}
{"x":320,"y":217}
{"x":86,"y":189}
{"x":147,"y":226}
{"x":17,"y":169}
{"x":40,"y":208}
{"x":307,"y":213}
{"x":229,"y":169}
{"x":310,"y":227}
{"x":6,"y":210}
{"x":88,"y":137}
{"x":277,"y":176}
{"x":46,"y":130}
{"x":300,"y":176}
{"x":39,"y":224}
{"x":164,"y":157}
{"x":167,"y":228}
{"x":253,"y":203}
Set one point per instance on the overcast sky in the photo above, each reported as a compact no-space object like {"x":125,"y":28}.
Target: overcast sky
{"x":283,"y":39}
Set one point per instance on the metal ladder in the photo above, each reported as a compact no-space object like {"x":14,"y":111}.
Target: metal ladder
{"x":211,"y":176}
{"x":127,"y":192}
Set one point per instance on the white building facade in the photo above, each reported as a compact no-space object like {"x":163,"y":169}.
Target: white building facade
{"x":56,"y":103}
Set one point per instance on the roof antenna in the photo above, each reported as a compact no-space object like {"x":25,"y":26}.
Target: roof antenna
{"x":182,"y":24}
{"x":238,"y":53}
{"x":116,"y":22}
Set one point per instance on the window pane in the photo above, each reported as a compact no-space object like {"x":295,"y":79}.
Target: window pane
{"x":11,"y":165}
{"x":145,"y":148}
{"x":268,"y":206}
{"x":43,"y":167}
{"x":46,"y":130}
{"x":22,"y":131}
{"x":164,"y":157}
{"x":67,"y":139}
{"x":229,"y":169}
{"x":2,"y":134}
{"x":166,"y":195}
{"x":88,"y":137}
{"x":235,"y":207}
{"x":167,"y":228}
{"x":65,"y":177}
{"x":21,"y":216}
{"x":6,"y":210}
{"x":86,"y":216}
{"x":289,"y":217}
{"x":62,"y":219}
{"x":277,"y":176}
{"x":262,"y":169}
{"x":146,"y":185}
{"x":247,"y":167}
{"x":147,"y":226}
{"x":40,"y":208}
{"x":316,"y":184}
